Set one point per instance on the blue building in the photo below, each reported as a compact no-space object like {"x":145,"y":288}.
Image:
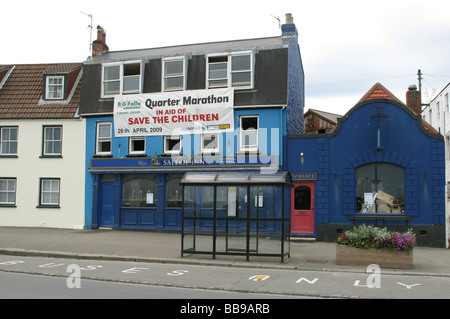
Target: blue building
{"x":153,"y":115}
{"x":381,"y":165}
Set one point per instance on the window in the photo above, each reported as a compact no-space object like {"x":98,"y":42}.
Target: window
{"x":446,"y":103}
{"x":174,"y":191}
{"x":103,"y":138}
{"x":137,"y":145}
{"x":121,"y":78}
{"x":140,"y":191}
{"x":9,"y":140}
{"x":50,"y":190}
{"x":302,"y":198}
{"x":55,"y":88}
{"x":210,"y":143}
{"x":174,"y":74}
{"x":172,"y":144}
{"x":238,"y":73}
{"x":248,"y":133}
{"x":7,"y":191}
{"x":380,"y":188}
{"x":52,"y":141}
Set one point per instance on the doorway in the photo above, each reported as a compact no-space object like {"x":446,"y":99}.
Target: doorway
{"x":302,"y":209}
{"x":106,"y":205}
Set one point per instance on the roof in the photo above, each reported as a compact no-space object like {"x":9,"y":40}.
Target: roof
{"x":21,"y":89}
{"x":201,"y":48}
{"x":378,"y":91}
{"x":236,"y":178}
{"x":330,"y":117}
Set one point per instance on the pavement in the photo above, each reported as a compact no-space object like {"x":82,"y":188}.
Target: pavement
{"x":165,"y":247}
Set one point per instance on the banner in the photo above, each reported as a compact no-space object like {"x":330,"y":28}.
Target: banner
{"x":174,"y":113}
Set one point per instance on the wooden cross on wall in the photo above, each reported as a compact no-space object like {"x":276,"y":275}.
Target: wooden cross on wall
{"x":379,"y":116}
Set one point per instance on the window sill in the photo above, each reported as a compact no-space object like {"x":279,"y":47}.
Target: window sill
{"x":50,"y":156}
{"x":9,"y":156}
{"x":248,"y":153}
{"x":102,"y":155}
{"x":136,"y":155}
{"x":8,"y":205}
{"x":48,"y":206}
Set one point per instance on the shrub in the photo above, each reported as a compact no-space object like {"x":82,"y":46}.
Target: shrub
{"x":364,"y":236}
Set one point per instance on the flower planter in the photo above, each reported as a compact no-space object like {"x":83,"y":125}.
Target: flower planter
{"x":348,"y":255}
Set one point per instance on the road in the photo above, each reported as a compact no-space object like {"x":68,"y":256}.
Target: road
{"x":41,"y":277}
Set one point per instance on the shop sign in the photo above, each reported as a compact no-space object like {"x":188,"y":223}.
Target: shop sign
{"x":304,"y":176}
{"x":174,"y":113}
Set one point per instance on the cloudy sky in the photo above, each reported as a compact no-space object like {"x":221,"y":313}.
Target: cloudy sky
{"x":347,"y":46}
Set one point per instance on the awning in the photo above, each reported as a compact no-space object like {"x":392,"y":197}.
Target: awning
{"x":236,"y":178}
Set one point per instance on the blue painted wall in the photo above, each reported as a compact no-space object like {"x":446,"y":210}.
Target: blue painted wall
{"x":354,"y":143}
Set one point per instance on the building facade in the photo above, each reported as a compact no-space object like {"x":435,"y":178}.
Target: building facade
{"x":153,"y":115}
{"x":41,"y":146}
{"x":382,"y":165}
{"x":437,"y":113}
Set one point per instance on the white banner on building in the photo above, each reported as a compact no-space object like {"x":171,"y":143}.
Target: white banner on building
{"x":174,"y":113}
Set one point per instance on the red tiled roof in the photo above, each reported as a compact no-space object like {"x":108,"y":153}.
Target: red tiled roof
{"x":378,"y":91}
{"x":21,"y":93}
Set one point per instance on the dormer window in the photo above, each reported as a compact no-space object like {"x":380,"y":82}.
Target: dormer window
{"x":54,"y":88}
{"x":121,"y":78}
{"x":235,"y":70}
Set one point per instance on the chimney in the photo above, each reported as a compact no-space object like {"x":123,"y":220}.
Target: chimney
{"x":289,"y":27}
{"x":413,"y":99}
{"x":99,"y":46}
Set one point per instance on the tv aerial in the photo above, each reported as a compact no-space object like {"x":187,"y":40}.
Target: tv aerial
{"x":90,"y":26}
{"x":276,"y":18}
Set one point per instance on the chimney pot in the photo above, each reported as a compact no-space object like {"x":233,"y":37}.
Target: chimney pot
{"x":413,"y":100}
{"x":99,"y":45}
{"x":289,"y":18}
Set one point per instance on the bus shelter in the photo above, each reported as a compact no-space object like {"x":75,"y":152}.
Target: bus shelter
{"x":236,"y":213}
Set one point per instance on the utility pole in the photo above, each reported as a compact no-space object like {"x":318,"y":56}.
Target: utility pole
{"x":419,"y":74}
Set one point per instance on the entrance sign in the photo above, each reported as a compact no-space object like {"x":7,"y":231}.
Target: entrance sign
{"x":174,"y":113}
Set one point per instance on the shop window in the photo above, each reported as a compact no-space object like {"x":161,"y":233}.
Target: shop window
{"x":380,"y":188}
{"x":174,"y":74}
{"x":174,"y":191}
{"x":7,"y":191}
{"x":9,"y":140}
{"x":140,"y":191}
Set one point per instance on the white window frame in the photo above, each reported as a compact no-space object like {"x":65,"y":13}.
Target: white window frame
{"x":242,"y":147}
{"x":8,"y":141}
{"x":45,"y":141}
{"x":132,"y":139}
{"x":230,"y":72}
{"x":206,"y":150}
{"x":55,"y":188}
{"x":99,"y":139}
{"x":60,"y":86}
{"x":121,"y":78}
{"x":13,"y":182}
{"x":183,"y":75}
{"x":166,"y":150}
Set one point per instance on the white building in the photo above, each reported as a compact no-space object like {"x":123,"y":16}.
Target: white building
{"x":42,"y":146}
{"x":437,"y":113}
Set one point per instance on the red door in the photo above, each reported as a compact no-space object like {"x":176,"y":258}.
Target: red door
{"x":302,"y":208}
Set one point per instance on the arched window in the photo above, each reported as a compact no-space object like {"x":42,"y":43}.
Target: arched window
{"x":140,"y":191}
{"x":380,"y":188}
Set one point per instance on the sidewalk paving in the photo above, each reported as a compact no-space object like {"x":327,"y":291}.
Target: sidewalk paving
{"x":165,"y":247}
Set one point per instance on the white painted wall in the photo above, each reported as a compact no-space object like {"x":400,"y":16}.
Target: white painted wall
{"x":28,"y":168}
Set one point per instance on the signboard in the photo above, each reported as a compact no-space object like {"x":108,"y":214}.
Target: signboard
{"x":304,"y":176}
{"x":174,"y":113}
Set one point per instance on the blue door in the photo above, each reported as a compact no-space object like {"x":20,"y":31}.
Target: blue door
{"x":106,"y":207}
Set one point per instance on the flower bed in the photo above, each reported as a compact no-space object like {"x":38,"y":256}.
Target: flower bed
{"x":366,"y":245}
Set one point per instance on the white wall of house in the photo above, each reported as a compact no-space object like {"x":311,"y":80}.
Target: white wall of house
{"x":437,"y":113}
{"x":28,"y":168}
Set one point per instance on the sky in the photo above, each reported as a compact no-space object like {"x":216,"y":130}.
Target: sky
{"x":347,"y":46}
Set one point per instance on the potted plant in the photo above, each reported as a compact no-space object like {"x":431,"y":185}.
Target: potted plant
{"x":364,"y":245}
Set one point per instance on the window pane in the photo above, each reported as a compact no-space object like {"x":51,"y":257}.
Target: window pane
{"x":173,"y":67}
{"x":105,"y":147}
{"x":140,"y":192}
{"x":111,"y":73}
{"x":218,"y":70}
{"x":131,"y":83}
{"x":250,"y":138}
{"x":241,"y":79}
{"x":104,"y":130}
{"x":131,"y":69}
{"x":240,"y":62}
{"x":249,"y":123}
{"x":111,"y":88}
{"x":174,"y":83}
{"x":210,"y":141}
{"x":173,"y":144}
{"x":174,"y":192}
{"x":302,"y":198}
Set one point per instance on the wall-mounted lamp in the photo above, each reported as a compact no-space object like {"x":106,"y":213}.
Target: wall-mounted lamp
{"x":302,"y":158}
